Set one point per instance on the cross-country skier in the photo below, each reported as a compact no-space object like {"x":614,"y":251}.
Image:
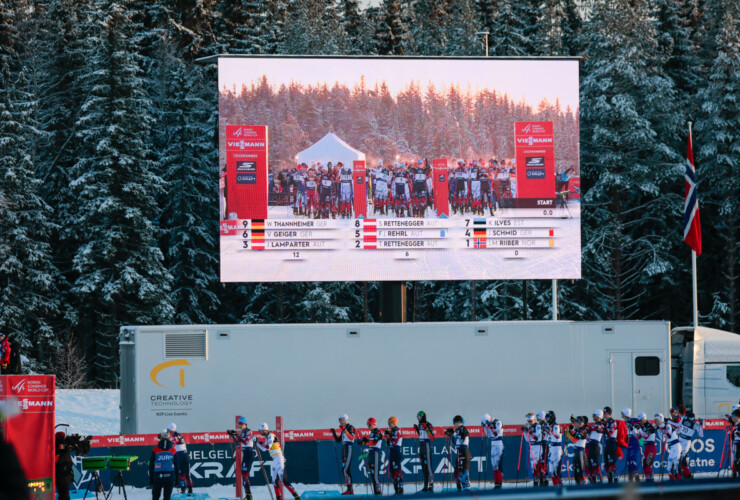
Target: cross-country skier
{"x":545,"y":445}
{"x":299,"y":186}
{"x":326,"y":189}
{"x":420,"y":191}
{"x":346,"y":436}
{"x":555,"y":448}
{"x":461,"y":440}
{"x":394,"y":438}
{"x":669,"y":429}
{"x":578,"y":433}
{"x":312,"y":198}
{"x":475,"y":201}
{"x":425,"y":430}
{"x":533,"y":435}
{"x":382,"y":181}
{"x":182,"y":458}
{"x":689,"y":427}
{"x":494,"y":430}
{"x":244,"y":439}
{"x":596,"y":431}
{"x":345,"y":191}
{"x":634,"y":452}
{"x":401,"y":195}
{"x":461,"y":187}
{"x":647,"y":432}
{"x":610,"y":448}
{"x":162,"y":467}
{"x":271,"y":444}
{"x":373,"y":443}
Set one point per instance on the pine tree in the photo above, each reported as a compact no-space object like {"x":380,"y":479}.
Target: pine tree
{"x":352,"y":24}
{"x":391,"y":34}
{"x":679,"y":51}
{"x":29,"y":296}
{"x":509,"y":37}
{"x":461,"y":29}
{"x":430,"y":31}
{"x":632,"y":195}
{"x":118,"y":272}
{"x":187,"y":160}
{"x":718,"y":144}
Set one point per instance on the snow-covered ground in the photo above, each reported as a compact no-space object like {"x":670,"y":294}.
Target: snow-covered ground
{"x":89,"y":411}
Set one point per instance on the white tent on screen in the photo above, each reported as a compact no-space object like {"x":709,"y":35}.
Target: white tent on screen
{"x":330,"y":148}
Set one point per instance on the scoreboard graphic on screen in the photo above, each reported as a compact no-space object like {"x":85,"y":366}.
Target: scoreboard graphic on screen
{"x":389,"y":191}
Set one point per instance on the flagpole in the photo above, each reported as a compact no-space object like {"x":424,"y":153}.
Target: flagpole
{"x":695,"y":288}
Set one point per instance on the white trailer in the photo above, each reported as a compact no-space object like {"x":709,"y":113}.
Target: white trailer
{"x":202,"y":376}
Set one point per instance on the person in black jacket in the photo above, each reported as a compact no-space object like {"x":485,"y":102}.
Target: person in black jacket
{"x":163,"y":469}
{"x":64,"y":446}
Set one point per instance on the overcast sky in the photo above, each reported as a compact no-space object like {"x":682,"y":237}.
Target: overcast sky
{"x":529,"y":80}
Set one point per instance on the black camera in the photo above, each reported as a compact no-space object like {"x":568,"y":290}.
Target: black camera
{"x":79,"y":444}
{"x":231,"y":432}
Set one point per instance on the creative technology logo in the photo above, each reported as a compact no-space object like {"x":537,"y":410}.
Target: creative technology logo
{"x":168,"y":364}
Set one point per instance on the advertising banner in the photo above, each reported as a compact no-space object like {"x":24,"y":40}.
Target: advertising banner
{"x":441,"y":187}
{"x":35,"y":396}
{"x":310,"y":457}
{"x":535,"y":160}
{"x":359,"y":188}
{"x":246,"y":171}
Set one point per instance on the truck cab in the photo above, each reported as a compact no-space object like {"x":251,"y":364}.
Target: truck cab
{"x":705,"y":370}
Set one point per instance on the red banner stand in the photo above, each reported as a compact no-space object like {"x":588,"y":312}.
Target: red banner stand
{"x":360,"y":188}
{"x":31,"y":432}
{"x":535,"y":162}
{"x":440,"y":173}
{"x":246,"y":171}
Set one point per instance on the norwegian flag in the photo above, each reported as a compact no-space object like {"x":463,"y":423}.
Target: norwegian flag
{"x":691,"y":224}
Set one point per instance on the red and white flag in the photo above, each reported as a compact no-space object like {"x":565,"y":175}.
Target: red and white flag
{"x":691,"y":224}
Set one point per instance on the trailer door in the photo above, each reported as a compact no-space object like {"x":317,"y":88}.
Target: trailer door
{"x":620,"y":364}
{"x":649,"y":380}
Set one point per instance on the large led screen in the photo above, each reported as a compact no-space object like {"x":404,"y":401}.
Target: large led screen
{"x":364,"y":169}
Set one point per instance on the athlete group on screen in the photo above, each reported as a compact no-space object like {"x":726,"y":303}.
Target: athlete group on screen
{"x":402,"y":190}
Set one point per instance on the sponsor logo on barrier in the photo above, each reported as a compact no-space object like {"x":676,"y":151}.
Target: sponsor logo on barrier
{"x":19,"y":386}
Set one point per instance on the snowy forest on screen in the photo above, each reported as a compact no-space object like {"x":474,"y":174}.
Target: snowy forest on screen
{"x":415,"y":123}
{"x":109,"y":160}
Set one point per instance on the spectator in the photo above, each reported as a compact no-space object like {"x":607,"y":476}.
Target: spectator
{"x":4,"y":354}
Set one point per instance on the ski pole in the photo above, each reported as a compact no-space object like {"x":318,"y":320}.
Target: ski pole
{"x":722,"y":459}
{"x":264,"y":472}
{"x":662,"y":463}
{"x":519,"y":462}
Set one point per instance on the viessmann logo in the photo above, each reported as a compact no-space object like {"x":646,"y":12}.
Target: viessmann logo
{"x":245,"y":144}
{"x":534,"y":140}
{"x":169,"y":364}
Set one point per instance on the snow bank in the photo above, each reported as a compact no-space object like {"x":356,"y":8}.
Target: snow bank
{"x":89,"y":411}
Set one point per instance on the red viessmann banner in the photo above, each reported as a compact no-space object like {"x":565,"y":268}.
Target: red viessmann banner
{"x":31,"y":432}
{"x":535,"y":162}
{"x":246,"y":171}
